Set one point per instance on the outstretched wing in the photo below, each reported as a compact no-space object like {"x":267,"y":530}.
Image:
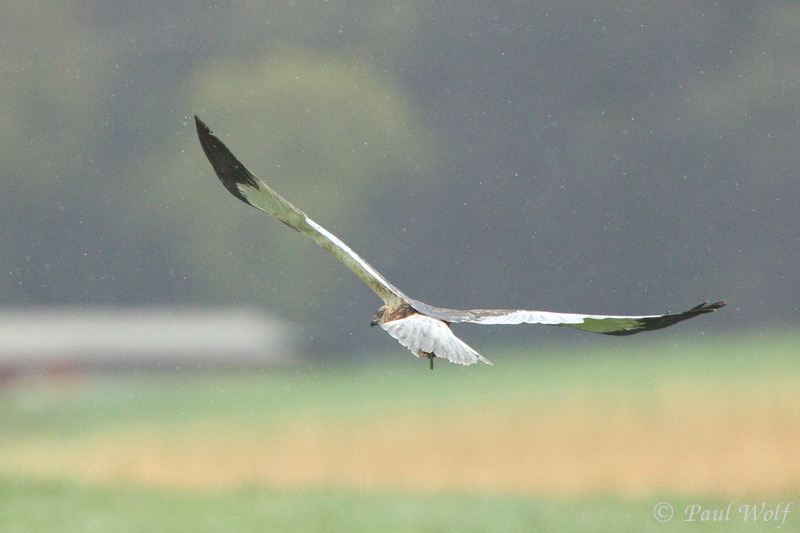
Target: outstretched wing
{"x":247,"y":187}
{"x":424,"y":335}
{"x":607,"y":325}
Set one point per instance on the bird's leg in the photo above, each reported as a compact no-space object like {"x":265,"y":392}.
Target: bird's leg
{"x":429,"y":355}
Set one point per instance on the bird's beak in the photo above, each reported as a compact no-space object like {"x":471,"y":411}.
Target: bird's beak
{"x":374,"y":321}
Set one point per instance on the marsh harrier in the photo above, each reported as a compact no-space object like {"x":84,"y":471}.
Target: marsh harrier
{"x":422,"y":328}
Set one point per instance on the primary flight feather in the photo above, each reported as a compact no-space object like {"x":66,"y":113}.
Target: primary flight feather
{"x":422,"y":328}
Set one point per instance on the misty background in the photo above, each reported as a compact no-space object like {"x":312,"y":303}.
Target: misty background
{"x":617,"y":158}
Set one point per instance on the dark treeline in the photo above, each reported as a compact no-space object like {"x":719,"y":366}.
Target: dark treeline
{"x":612,"y":158}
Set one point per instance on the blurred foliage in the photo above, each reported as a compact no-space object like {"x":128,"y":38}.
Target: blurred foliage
{"x":329,"y":135}
{"x":625,"y":157}
{"x":684,"y":422}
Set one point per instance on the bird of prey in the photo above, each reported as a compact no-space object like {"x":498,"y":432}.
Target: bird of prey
{"x":420,"y":327}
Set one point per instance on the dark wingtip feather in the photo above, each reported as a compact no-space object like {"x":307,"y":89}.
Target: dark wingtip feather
{"x":201,"y":126}
{"x":705,"y":307}
{"x":228,"y":169}
{"x":664,"y":321}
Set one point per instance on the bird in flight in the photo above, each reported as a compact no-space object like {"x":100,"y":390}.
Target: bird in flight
{"x":420,"y":327}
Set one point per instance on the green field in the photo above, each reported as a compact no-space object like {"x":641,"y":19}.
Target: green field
{"x":565,"y":438}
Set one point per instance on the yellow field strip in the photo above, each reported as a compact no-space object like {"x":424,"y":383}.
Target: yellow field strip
{"x":725,"y":442}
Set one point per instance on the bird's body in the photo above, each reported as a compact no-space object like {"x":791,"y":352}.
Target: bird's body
{"x":422,"y":328}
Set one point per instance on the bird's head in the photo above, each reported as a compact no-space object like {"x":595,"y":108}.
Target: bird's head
{"x":378,"y":318}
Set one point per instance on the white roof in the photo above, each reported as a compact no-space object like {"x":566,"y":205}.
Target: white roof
{"x":142,"y":335}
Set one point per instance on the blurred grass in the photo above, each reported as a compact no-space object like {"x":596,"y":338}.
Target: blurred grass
{"x":47,"y":505}
{"x":581,"y":437}
{"x":72,"y":404}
